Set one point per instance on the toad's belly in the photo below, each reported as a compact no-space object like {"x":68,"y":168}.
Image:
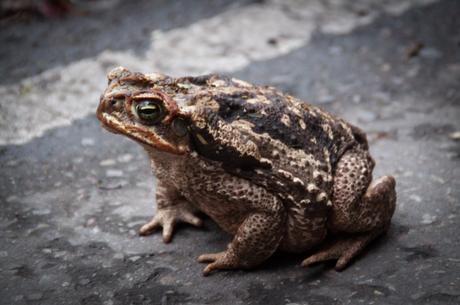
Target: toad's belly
{"x":227,"y":214}
{"x":227,"y":199}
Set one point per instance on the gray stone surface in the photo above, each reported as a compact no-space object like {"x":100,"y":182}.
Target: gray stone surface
{"x":73,"y":196}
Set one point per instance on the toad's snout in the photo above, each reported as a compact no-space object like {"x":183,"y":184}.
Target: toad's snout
{"x":110,"y":105}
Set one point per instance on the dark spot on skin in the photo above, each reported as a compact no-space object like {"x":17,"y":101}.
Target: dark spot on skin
{"x":234,"y":106}
{"x":230,"y":156}
{"x":179,"y":126}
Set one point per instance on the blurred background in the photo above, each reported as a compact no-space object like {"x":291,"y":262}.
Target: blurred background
{"x":73,"y":196}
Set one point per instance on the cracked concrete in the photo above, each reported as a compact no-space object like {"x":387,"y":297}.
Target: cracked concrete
{"x":74,"y":196}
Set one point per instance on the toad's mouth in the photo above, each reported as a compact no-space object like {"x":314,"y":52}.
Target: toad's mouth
{"x":146,"y":138}
{"x":111,"y":124}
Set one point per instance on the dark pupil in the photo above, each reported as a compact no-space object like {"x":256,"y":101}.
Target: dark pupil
{"x":149,"y":110}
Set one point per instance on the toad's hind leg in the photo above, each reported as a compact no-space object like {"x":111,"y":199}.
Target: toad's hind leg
{"x":360,"y":212}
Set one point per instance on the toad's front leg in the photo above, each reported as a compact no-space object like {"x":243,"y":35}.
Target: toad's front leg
{"x":257,"y":238}
{"x":171,"y":209}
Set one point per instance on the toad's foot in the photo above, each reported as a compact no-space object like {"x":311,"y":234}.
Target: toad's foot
{"x":168,"y":218}
{"x":220,"y":260}
{"x":342,"y":250}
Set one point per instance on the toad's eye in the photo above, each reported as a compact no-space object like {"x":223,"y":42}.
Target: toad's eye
{"x":150,"y":111}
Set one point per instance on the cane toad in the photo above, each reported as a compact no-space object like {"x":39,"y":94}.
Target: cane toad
{"x":273,"y":171}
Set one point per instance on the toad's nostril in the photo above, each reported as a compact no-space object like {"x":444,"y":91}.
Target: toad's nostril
{"x":113,"y":104}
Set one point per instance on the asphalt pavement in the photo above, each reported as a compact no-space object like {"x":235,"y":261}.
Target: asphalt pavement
{"x":73,"y":196}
